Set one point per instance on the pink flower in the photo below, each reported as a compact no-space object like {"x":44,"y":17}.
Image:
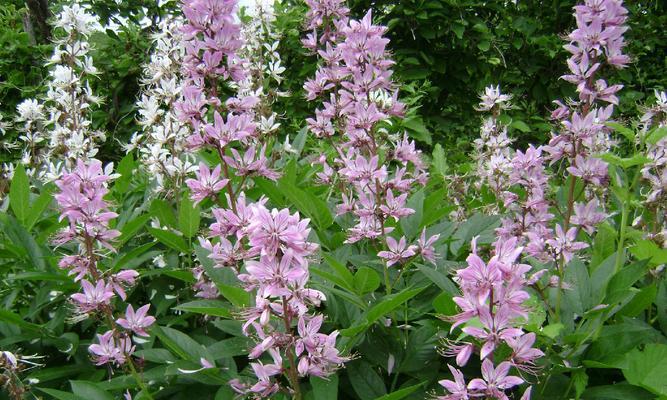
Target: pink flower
{"x":93,"y":297}
{"x":395,"y":206}
{"x":523,"y":353}
{"x":457,"y":388}
{"x":564,"y":244}
{"x":426,"y":248}
{"x":110,"y":350}
{"x":137,"y":322}
{"x":478,"y":277}
{"x":590,"y":169}
{"x":495,"y":380}
{"x":398,"y":251}
{"x":123,"y":278}
{"x":496,"y":328}
{"x":207,"y":184}
{"x":587,"y":215}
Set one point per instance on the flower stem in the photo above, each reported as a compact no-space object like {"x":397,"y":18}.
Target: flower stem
{"x":292,"y":372}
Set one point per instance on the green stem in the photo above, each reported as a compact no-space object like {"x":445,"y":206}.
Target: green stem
{"x":140,"y":381}
{"x":621,"y":238}
{"x":387,"y":281}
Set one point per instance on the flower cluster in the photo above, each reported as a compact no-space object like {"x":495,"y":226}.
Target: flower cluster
{"x":81,"y":201}
{"x":161,"y":145}
{"x":597,"y":41}
{"x":212,"y":40}
{"x":63,"y":121}
{"x":11,"y":367}
{"x":655,"y":171}
{"x":529,"y":215}
{"x":325,"y":16}
{"x":355,"y":81}
{"x":263,"y":64}
{"x":269,"y":251}
{"x":493,"y":292}
{"x":492,"y":148}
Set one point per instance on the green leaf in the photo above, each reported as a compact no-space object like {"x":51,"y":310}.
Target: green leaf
{"x":417,"y":129}
{"x":125,"y":169}
{"x":160,"y":356}
{"x":618,"y":391}
{"x":59,"y":372}
{"x":59,"y":394}
{"x":641,"y":301}
{"x":458,"y":30}
{"x":188,"y":217}
{"x":15,"y":319}
{"x":231,"y":347}
{"x":623,"y":130}
{"x":649,"y":250}
{"x":383,"y":307}
{"x":401,"y":393}
{"x":19,"y":194}
{"x":439,"y":162}
{"x":312,"y":206}
{"x":170,"y":239}
{"x":553,"y":330}
{"x":164,"y":213}
{"x":236,"y":295}
{"x":389,"y":303}
{"x":366,"y":280}
{"x":412,"y":223}
{"x":625,"y":163}
{"x":624,"y":279}
{"x":132,"y":227}
{"x":443,"y":304}
{"x":477,"y":225}
{"x":180,"y":344}
{"x":325,"y":389}
{"x":440,"y":279}
{"x":656,"y":135}
{"x":341,"y":271}
{"x":39,"y":206}
{"x":648,"y":368}
{"x":366,"y":382}
{"x":215,"y":308}
{"x":520,"y":125}
{"x":580,"y":380}
{"x":89,"y":391}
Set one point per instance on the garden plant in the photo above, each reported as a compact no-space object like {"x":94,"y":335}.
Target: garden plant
{"x":256,"y":199}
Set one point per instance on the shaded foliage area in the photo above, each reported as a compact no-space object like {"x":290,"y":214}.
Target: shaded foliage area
{"x":452,"y":49}
{"x":446,"y":53}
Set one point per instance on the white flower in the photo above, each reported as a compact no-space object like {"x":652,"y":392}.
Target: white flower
{"x":75,"y":18}
{"x":63,"y":75}
{"x":30,"y":110}
{"x":159,"y":261}
{"x":267,"y":125}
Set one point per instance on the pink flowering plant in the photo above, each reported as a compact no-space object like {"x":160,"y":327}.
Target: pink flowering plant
{"x":244,"y":247}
